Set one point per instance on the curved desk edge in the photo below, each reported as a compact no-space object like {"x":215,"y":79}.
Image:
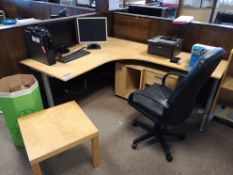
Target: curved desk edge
{"x":113,"y":50}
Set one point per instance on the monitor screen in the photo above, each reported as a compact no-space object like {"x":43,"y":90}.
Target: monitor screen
{"x":63,"y":32}
{"x":92,"y":30}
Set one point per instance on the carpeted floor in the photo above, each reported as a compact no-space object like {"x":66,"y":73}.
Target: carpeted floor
{"x":207,"y":153}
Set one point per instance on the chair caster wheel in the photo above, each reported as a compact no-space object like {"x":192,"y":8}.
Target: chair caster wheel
{"x":169,"y":158}
{"x":134,"y":124}
{"x":134,"y":146}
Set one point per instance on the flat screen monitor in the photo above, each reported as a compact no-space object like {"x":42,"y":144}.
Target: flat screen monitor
{"x":64,"y":33}
{"x":92,"y":30}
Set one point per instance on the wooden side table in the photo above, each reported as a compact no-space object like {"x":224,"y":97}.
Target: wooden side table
{"x":55,"y":130}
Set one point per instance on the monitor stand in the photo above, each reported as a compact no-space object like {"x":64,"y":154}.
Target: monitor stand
{"x":93,"y":46}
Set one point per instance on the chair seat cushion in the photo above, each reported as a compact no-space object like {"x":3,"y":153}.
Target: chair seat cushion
{"x":148,"y":101}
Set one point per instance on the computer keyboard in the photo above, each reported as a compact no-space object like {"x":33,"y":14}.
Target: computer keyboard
{"x":74,"y":55}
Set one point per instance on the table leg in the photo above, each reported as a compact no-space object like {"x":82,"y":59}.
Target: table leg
{"x":209,"y":104}
{"x":95,"y":152}
{"x":230,"y":115}
{"x":48,"y":90}
{"x":36,"y":169}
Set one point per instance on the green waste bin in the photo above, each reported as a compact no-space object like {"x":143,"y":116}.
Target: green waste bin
{"x":19,"y":96}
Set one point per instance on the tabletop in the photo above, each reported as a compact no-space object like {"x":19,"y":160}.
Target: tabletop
{"x":54,"y":130}
{"x":113,"y":50}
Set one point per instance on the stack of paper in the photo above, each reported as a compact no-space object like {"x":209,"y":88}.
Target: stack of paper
{"x":183,"y":19}
{"x":114,"y":4}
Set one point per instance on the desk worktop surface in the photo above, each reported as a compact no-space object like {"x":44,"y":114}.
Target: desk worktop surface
{"x":49,"y":132}
{"x":113,"y":50}
{"x":21,"y":22}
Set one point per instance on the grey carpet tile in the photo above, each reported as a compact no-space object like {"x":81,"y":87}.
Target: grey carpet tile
{"x":206,"y":153}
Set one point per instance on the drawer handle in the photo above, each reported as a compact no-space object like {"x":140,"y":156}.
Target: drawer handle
{"x":159,"y":76}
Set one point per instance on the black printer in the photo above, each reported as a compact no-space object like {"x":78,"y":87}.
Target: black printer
{"x":165,"y":46}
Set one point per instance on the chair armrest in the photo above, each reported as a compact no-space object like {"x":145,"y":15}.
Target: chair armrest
{"x":172,"y":73}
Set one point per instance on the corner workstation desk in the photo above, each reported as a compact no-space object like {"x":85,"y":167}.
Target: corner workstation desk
{"x":117,"y":50}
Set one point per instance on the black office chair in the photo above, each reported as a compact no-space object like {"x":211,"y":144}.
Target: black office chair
{"x":170,"y":108}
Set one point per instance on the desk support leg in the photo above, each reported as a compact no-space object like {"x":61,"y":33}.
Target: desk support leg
{"x":95,"y":151}
{"x":36,"y":169}
{"x":48,"y":90}
{"x":209,"y":104}
{"x":231,"y":115}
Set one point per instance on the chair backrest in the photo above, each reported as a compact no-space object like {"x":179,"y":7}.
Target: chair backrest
{"x":182,"y":100}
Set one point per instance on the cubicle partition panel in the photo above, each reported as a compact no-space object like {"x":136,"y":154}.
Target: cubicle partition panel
{"x":28,"y":8}
{"x":165,"y":27}
{"x":217,"y":36}
{"x":13,"y":46}
{"x":1,"y":5}
{"x":13,"y":49}
{"x":40,"y":10}
{"x":131,"y":27}
{"x":24,"y":9}
{"x":9,"y":7}
{"x":54,"y":9}
{"x":140,"y":28}
{"x":109,"y":17}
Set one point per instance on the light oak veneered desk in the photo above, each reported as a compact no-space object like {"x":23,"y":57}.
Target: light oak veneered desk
{"x":114,"y":50}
